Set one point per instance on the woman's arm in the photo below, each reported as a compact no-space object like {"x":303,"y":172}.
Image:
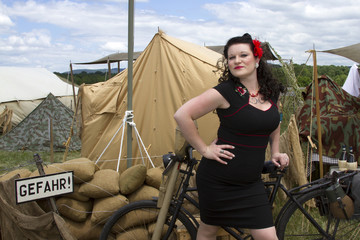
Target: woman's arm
{"x":194,"y":109}
{"x":279,"y":159}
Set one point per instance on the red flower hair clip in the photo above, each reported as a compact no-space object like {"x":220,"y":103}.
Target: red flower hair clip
{"x":258,"y":51}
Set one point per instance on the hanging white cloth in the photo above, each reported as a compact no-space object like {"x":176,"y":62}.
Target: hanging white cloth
{"x":352,"y":82}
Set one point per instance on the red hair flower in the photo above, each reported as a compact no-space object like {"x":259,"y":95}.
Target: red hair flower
{"x":257,"y":49}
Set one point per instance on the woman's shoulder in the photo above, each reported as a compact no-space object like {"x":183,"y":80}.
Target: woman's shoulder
{"x":225,"y":86}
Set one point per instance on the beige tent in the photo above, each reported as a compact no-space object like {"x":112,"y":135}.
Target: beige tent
{"x":351,"y":52}
{"x":168,"y":73}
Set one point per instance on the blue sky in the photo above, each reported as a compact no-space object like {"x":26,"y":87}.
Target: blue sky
{"x":53,"y":33}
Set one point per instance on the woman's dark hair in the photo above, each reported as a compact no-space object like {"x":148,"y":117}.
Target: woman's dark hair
{"x":269,"y":86}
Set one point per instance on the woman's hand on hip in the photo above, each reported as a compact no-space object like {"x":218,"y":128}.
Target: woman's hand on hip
{"x":216,"y":152}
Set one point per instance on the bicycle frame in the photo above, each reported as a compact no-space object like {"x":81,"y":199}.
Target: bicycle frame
{"x":292,"y":194}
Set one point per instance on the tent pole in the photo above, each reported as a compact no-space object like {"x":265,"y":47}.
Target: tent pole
{"x":109,"y":68}
{"x":72,"y":83}
{"x":318,"y":112}
{"x":130,"y":77}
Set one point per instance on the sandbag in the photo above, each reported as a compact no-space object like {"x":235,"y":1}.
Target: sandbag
{"x":83,"y":168}
{"x":134,"y":233}
{"x":23,"y":173}
{"x":77,"y":195}
{"x":154,"y":177}
{"x":84,"y":230}
{"x":145,"y":192}
{"x":132,"y":178}
{"x":73,"y":209}
{"x":105,"y":183}
{"x":49,"y":169}
{"x":105,"y":207}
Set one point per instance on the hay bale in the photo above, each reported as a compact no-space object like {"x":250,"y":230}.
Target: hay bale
{"x":145,"y":192}
{"x":154,"y":177}
{"x":77,"y":195}
{"x":73,"y":209}
{"x":23,"y":173}
{"x":105,"y":183}
{"x":83,"y":168}
{"x":85,"y":230}
{"x":105,"y":207}
{"x":132,"y":178}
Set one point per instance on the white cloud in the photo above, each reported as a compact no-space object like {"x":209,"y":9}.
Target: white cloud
{"x":85,"y":30}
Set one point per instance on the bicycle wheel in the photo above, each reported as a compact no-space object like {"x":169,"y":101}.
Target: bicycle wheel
{"x":137,"y":221}
{"x":293,"y":224}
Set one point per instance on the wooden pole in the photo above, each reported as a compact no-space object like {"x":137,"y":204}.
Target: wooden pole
{"x":51,"y":140}
{"x":109,"y":68}
{"x":130,"y":78}
{"x":318,"y":113}
{"x":73,"y":85}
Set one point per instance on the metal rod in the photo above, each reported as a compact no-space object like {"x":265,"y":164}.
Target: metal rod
{"x":130,"y":78}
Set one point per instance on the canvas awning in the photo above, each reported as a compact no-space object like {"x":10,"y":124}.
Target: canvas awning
{"x":118,"y":57}
{"x":351,"y":52}
{"x":115,"y":57}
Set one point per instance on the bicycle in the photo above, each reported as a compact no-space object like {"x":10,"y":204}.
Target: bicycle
{"x":305,"y":215}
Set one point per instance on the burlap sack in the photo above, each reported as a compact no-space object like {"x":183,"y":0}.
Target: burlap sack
{"x":105,"y":207}
{"x":136,"y":218}
{"x":134,"y":233}
{"x":23,"y":173}
{"x":76,"y":195}
{"x":83,"y":168}
{"x":73,"y":209}
{"x":151,"y":229}
{"x":132,"y":178}
{"x":145,"y":192}
{"x":154,"y":177}
{"x":49,"y":169}
{"x":85,"y":230}
{"x":105,"y":183}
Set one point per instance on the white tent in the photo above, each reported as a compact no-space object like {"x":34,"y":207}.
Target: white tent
{"x":23,"y":89}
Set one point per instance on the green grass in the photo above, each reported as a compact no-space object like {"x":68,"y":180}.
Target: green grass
{"x":12,"y":160}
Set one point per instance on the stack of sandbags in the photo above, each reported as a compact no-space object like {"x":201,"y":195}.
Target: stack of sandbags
{"x":98,"y":193}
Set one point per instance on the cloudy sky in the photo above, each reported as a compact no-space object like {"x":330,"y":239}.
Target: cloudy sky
{"x":53,"y":33}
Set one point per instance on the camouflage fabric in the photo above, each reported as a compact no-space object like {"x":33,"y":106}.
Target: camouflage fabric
{"x":33,"y":133}
{"x":339,"y":117}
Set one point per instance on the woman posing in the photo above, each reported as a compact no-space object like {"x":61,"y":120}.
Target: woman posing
{"x":231,"y":192}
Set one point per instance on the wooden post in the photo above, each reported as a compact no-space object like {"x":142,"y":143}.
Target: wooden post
{"x":73,"y":85}
{"x":40,"y":168}
{"x":109,"y":68}
{"x":51,"y":140}
{"x":318,"y":113}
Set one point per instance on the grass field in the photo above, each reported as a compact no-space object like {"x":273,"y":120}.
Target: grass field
{"x":12,"y":160}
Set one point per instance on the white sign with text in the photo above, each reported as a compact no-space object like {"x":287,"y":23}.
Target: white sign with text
{"x":29,"y":189}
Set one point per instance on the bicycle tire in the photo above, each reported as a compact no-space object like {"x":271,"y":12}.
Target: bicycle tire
{"x":293,"y":224}
{"x":143,"y":215}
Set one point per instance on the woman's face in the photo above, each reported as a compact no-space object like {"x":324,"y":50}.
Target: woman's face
{"x":241,"y":60}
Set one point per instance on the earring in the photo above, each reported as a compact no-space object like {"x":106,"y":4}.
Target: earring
{"x":257,"y":65}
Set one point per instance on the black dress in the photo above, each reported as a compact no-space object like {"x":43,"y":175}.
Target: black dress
{"x":234,"y":194}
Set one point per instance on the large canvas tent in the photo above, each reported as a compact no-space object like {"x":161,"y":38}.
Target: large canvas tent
{"x":22,"y":89}
{"x":49,"y":118}
{"x":168,"y":73}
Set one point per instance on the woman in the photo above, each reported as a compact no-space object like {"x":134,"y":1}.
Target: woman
{"x":231,"y":192}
